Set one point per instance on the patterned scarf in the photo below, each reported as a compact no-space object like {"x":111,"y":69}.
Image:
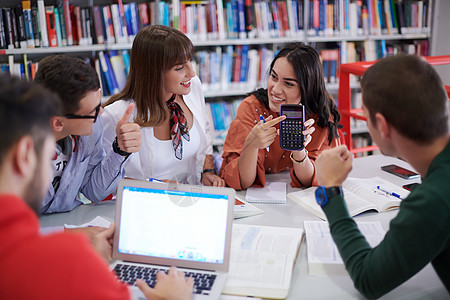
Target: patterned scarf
{"x":178,"y":127}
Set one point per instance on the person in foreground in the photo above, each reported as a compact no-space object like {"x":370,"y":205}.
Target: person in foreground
{"x":54,"y":266}
{"x":170,"y":108}
{"x":80,"y":163}
{"x":408,"y":117}
{"x":252,"y":149}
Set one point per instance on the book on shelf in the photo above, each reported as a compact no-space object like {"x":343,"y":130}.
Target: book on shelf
{"x":323,"y":255}
{"x":22,"y":40}
{"x":59,"y":37}
{"x":68,"y":22}
{"x":262,"y":269}
{"x":51,"y":29}
{"x":2,"y":31}
{"x":360,"y":195}
{"x":109,"y":28}
{"x":42,"y":23}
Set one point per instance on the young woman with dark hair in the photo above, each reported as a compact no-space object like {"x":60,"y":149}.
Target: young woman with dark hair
{"x":295,"y":77}
{"x":170,"y":108}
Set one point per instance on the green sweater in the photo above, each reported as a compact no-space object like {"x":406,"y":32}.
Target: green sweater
{"x":419,"y":234}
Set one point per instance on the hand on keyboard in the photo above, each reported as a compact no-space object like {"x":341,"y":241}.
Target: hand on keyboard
{"x":171,"y":286}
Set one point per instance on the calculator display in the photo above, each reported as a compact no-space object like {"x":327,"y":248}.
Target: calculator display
{"x":291,"y":128}
{"x":292,"y":114}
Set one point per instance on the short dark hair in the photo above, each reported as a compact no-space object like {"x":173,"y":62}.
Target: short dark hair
{"x":409,"y":93}
{"x":25,"y":109}
{"x":70,"y":77}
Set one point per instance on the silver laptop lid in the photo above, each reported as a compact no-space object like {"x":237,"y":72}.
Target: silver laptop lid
{"x":173,"y":224}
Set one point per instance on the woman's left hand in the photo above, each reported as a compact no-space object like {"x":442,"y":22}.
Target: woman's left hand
{"x":212,"y":179}
{"x":308,"y":131}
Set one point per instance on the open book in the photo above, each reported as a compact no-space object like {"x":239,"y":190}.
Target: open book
{"x":323,"y":255}
{"x":261,"y":260}
{"x":360,"y":195}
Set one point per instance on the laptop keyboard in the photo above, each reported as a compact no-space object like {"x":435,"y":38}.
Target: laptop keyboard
{"x":129,"y":273}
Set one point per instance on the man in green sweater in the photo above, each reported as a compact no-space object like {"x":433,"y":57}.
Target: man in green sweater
{"x":408,"y":117}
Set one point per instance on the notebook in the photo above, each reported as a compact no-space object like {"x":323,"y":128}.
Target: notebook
{"x":165,"y":224}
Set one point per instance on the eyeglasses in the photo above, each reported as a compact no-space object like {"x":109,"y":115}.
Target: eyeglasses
{"x":97,"y":110}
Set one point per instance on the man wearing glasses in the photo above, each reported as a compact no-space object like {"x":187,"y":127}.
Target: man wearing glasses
{"x":80,"y":163}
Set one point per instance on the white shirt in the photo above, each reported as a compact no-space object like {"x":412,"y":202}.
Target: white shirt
{"x":141,"y":165}
{"x":167,"y":166}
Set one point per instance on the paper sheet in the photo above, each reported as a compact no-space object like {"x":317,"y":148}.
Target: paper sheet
{"x":97,"y":221}
{"x":273,"y":192}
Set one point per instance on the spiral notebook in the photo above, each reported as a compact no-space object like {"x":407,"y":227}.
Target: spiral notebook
{"x":273,"y":192}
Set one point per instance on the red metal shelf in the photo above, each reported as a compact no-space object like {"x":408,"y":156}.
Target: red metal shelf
{"x":344,"y":96}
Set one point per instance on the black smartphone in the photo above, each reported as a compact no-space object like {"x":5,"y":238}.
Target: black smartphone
{"x":291,"y":128}
{"x":399,"y":171}
{"x":410,"y":186}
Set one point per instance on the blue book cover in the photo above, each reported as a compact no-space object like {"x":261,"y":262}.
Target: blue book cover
{"x":217,"y":116}
{"x":322,"y":14}
{"x":325,"y":70}
{"x":382,"y":16}
{"x":235,"y":14}
{"x":241,"y":19}
{"x":244,"y":63}
{"x":333,"y":71}
{"x":295,"y":15}
{"x":346,"y":12}
{"x":126,"y":9}
{"x":134,"y":18}
{"x":109,"y":73}
{"x":276,"y":22}
{"x":58,"y":26}
{"x":126,"y":61}
{"x":269,"y":19}
{"x":230,"y":24}
{"x":28,"y":26}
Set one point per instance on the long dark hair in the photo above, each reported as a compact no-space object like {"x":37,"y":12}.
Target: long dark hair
{"x":156,"y":49}
{"x":308,"y":70}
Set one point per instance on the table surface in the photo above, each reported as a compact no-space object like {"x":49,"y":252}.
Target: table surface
{"x":424,"y":285}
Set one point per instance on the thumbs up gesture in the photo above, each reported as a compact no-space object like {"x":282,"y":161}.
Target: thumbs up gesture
{"x":128,"y":133}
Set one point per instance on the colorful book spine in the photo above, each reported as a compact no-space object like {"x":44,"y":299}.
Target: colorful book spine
{"x":68,"y":22}
{"x":51,"y":29}
{"x":26,"y":8}
{"x":109,"y":29}
{"x":43,"y":23}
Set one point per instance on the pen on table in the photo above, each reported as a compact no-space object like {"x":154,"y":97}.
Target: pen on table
{"x":388,"y":192}
{"x":262,"y":121}
{"x":155,"y":180}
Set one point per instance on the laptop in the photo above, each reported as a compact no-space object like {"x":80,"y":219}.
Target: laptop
{"x":159,"y":225}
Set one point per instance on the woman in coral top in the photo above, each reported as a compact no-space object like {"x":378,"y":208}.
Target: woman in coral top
{"x":252,"y":149}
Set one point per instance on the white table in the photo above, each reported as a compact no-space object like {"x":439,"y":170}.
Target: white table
{"x":425,"y":285}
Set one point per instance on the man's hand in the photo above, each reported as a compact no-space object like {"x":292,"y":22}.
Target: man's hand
{"x":211,"y":179}
{"x":129,"y":135}
{"x":90,"y":232}
{"x":333,"y":166}
{"x":102,"y":242}
{"x":172,"y":286}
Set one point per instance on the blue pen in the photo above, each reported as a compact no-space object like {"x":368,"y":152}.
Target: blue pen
{"x":388,"y":192}
{"x":262,"y":121}
{"x":155,"y":180}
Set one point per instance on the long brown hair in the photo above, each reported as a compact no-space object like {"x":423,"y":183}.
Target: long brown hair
{"x":156,"y":49}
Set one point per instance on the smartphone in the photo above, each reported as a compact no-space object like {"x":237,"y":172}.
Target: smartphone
{"x":291,"y":128}
{"x":410,"y":186}
{"x":399,"y":171}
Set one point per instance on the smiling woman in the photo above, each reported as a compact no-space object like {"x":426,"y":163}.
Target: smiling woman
{"x":170,"y":108}
{"x":295,"y":77}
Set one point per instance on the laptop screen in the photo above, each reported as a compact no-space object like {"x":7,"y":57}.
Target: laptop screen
{"x":165,"y":223}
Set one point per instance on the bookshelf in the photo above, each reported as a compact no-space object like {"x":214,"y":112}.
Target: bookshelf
{"x":343,"y":31}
